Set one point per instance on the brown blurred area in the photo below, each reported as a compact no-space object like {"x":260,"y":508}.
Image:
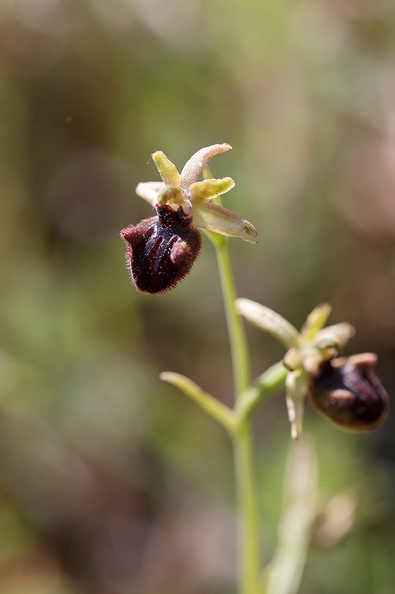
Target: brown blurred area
{"x":109,"y":481}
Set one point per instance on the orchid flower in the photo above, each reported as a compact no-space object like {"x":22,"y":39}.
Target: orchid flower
{"x":162,"y":249}
{"x":344,"y":389}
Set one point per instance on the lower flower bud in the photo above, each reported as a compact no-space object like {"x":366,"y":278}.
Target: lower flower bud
{"x":348,"y":392}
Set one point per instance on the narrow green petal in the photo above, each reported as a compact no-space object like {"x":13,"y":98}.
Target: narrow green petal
{"x":208,"y":403}
{"x":197,"y":162}
{"x":221,"y":220}
{"x":150,"y":191}
{"x":209,"y":189}
{"x":268,"y":320}
{"x":315,"y":321}
{"x":167,"y":170}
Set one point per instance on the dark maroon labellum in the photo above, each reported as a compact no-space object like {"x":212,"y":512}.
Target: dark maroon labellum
{"x":349,"y":392}
{"x":161,"y":249}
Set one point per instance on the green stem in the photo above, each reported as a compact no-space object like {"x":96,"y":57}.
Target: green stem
{"x":238,"y":344}
{"x":268,"y":383}
{"x":300,"y":496}
{"x":248,"y":511}
{"x":242,"y":437}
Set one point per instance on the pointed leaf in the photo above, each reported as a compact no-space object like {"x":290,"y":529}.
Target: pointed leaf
{"x":208,"y":403}
{"x":197,"y":162}
{"x":167,"y":169}
{"x":269,"y":321}
{"x":208,"y":189}
{"x":221,"y":220}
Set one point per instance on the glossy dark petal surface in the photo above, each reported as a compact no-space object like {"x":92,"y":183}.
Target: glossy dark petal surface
{"x":350,"y":393}
{"x":161,"y":250}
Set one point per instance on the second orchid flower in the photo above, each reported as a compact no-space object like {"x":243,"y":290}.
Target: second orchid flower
{"x":345,"y":390}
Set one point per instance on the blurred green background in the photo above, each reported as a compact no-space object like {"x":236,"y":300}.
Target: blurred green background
{"x":110,"y":482}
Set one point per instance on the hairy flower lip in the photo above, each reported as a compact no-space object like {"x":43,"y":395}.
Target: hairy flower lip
{"x":348,"y":392}
{"x":161,"y":250}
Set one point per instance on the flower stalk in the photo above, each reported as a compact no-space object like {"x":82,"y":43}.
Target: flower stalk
{"x":237,"y":339}
{"x":160,"y":252}
{"x":242,"y":437}
{"x":247,"y":494}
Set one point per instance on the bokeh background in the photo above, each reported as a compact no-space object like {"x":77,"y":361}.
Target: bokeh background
{"x":111,"y":482}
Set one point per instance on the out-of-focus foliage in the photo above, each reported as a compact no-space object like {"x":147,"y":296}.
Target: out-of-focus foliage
{"x":109,"y":481}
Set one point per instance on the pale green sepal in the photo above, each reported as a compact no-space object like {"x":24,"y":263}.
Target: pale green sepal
{"x":167,"y":170}
{"x":337,"y":335}
{"x":315,"y":321}
{"x":208,"y":403}
{"x":209,"y":189}
{"x":207,"y":173}
{"x":197,"y":162}
{"x":221,"y":220}
{"x":150,"y":191}
{"x":269,"y":321}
